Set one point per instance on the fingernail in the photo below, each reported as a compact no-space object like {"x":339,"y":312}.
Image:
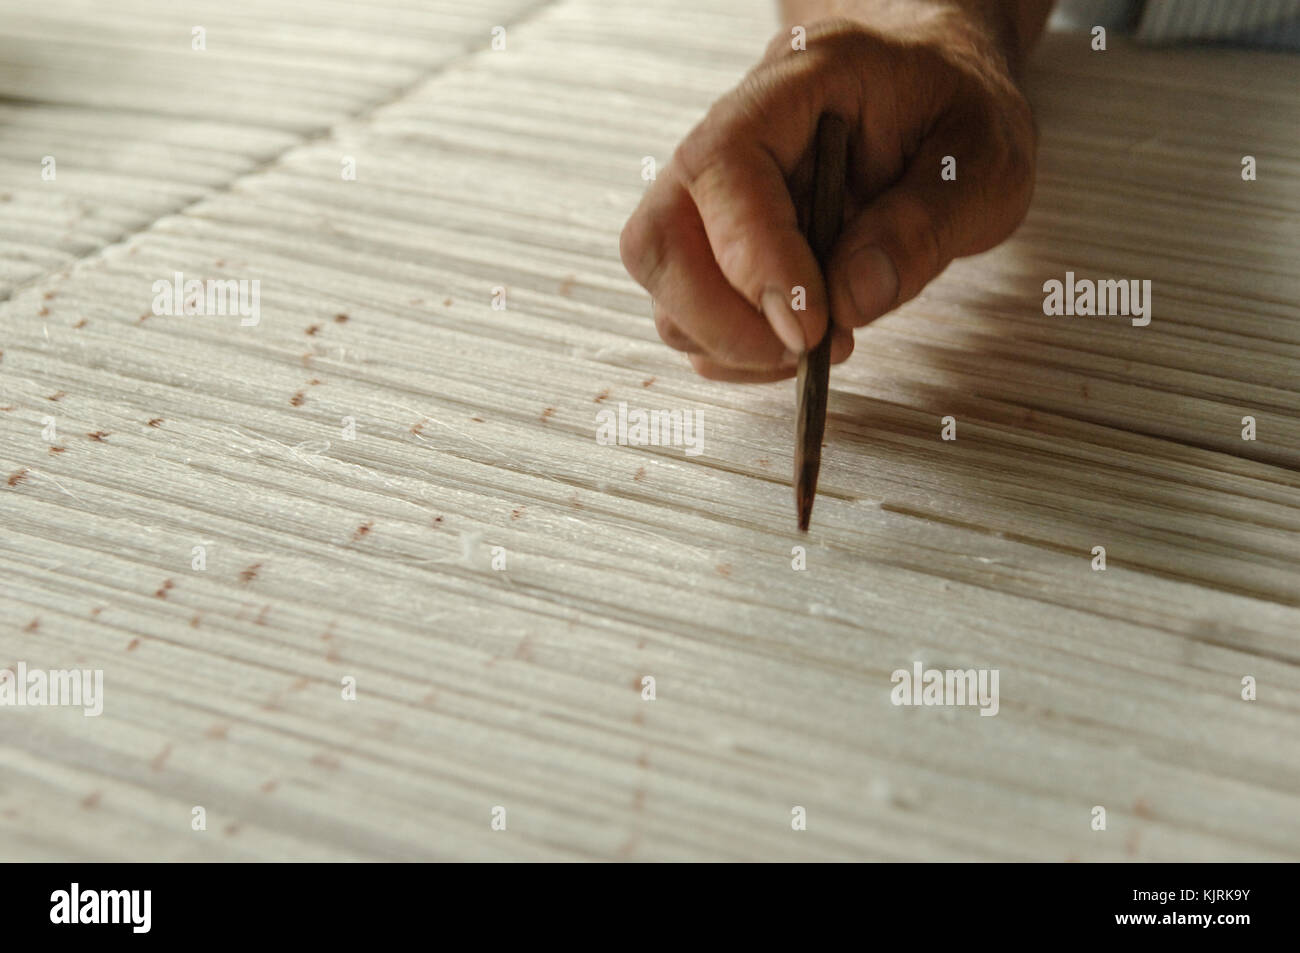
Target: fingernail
{"x":779,"y":314}
{"x":873,"y":285}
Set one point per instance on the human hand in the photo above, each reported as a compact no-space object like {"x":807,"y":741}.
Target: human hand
{"x":716,"y":238}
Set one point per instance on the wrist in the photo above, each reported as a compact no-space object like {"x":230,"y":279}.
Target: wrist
{"x":989,"y":31}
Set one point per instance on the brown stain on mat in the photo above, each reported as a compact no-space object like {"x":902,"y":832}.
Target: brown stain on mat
{"x":98,"y":435}
{"x":249,"y":574}
{"x":160,"y":758}
{"x":155,"y":422}
{"x":361,"y":531}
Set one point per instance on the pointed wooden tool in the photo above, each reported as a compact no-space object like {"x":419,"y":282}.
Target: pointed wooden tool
{"x":822,"y":226}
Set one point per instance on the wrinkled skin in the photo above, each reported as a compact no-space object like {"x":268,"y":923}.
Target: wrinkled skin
{"x":716,"y":241}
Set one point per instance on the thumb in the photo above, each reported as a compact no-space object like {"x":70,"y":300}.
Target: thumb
{"x":910,"y":233}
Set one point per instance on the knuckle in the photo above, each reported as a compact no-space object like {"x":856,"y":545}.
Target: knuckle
{"x":705,"y":367}
{"x":1013,"y":161}
{"x":670,"y":333}
{"x":639,"y":248}
{"x":927,"y":240}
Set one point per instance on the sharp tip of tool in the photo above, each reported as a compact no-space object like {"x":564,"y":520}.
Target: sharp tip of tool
{"x":804,"y":502}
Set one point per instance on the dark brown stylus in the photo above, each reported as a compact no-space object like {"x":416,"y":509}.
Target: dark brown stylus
{"x":822,"y":226}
